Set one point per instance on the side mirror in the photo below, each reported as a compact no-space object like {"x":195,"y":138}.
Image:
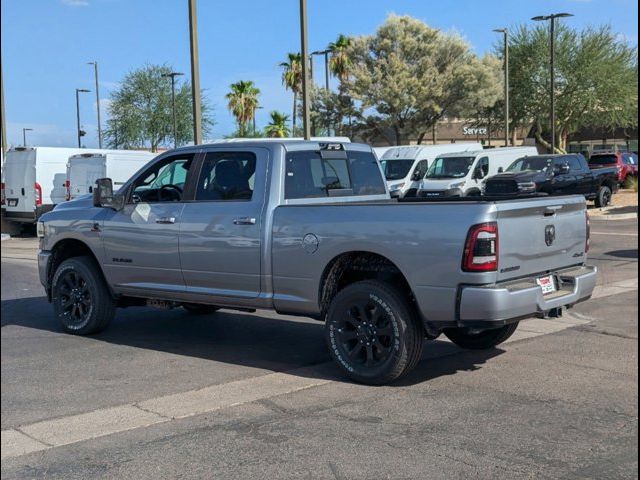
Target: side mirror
{"x":500,"y":170}
{"x":416,"y":176}
{"x":561,"y":170}
{"x":104,"y":197}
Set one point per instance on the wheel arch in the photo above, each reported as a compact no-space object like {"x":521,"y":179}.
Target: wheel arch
{"x":67,"y":248}
{"x":353,"y":266}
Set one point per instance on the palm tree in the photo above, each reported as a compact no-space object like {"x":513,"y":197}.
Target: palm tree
{"x":243,"y":102}
{"x":277,"y":127}
{"x":340,"y":63}
{"x":292,"y":79}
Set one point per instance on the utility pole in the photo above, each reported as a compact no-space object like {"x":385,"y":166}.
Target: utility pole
{"x":505,"y":32}
{"x":3,"y":121}
{"x":173,"y":76}
{"x":552,"y":72}
{"x":95,"y":69}
{"x":195,"y":73}
{"x":306,"y":124}
{"x":80,"y":132}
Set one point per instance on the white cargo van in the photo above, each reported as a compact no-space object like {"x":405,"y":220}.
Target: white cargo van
{"x":34,"y":181}
{"x":85,"y":168}
{"x":404,"y":166}
{"x":462,"y":173}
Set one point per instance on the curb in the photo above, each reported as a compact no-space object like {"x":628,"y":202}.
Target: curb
{"x":613,"y":216}
{"x":6,"y":236}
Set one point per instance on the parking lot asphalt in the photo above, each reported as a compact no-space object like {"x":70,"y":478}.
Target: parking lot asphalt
{"x":163,"y":394}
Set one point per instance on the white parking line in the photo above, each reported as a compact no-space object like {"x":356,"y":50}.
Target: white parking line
{"x":615,"y":234}
{"x":85,"y":426}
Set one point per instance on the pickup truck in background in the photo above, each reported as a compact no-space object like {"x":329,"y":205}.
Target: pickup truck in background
{"x":624,"y":162}
{"x":555,"y":175}
{"x":308,"y":228}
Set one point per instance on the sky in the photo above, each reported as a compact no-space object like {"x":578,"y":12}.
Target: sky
{"x":46,"y":45}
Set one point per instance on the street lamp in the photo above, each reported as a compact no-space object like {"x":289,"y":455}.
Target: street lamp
{"x":24,"y":135}
{"x":326,"y":65}
{"x":81,"y":133}
{"x":196,"y":101}
{"x":505,"y":32}
{"x":95,"y":69}
{"x":552,"y":88}
{"x":173,"y":76}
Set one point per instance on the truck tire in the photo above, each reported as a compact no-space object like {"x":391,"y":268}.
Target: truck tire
{"x":81,"y":299}
{"x":604,"y":197}
{"x":199,"y":309}
{"x":373,"y":332}
{"x":481,"y":340}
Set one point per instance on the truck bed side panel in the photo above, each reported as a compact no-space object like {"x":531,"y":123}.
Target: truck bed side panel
{"x":425,"y":241}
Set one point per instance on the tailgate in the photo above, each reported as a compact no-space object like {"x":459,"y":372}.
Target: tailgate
{"x":540,"y":235}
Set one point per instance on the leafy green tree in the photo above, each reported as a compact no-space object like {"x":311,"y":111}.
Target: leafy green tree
{"x":330,"y":109}
{"x":140,"y":112}
{"x":596,"y":80}
{"x":277,"y":127}
{"x":408,"y":76}
{"x":292,"y":80}
{"x":243,"y":102}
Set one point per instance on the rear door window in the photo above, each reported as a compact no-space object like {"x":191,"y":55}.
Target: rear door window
{"x":308,"y":175}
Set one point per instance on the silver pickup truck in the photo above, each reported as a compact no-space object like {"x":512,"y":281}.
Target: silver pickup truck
{"x":309,"y":229}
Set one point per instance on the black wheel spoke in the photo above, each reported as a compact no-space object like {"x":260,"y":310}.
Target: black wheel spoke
{"x":353,"y":353}
{"x":386,"y":331}
{"x":346,"y":335}
{"x":370,"y":360}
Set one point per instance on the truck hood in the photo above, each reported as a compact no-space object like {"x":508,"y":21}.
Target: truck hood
{"x":84,"y":201}
{"x":520,"y":177}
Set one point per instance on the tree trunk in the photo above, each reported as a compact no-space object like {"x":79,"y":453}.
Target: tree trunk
{"x":434,"y":133}
{"x":293,"y":118}
{"x":397,"y":132}
{"x":539,"y":138}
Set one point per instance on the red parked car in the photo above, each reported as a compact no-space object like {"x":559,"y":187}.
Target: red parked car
{"x":626,"y":164}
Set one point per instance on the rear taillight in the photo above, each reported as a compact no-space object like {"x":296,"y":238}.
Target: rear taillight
{"x":67,"y":185}
{"x":2,"y":200}
{"x":38,"y":189}
{"x":481,"y":248}
{"x":587,"y":241}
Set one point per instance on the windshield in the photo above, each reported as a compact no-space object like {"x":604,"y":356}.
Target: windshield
{"x":603,"y":160}
{"x":535,"y":164}
{"x":395,"y":169}
{"x":450,"y":167}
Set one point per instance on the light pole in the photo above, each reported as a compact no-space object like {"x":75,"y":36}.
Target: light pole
{"x":326,"y":65}
{"x":552,"y":88}
{"x":195,"y":73}
{"x":95,"y":70}
{"x":306,"y":124}
{"x":505,"y":31}
{"x":80,"y":132}
{"x":24,"y":135}
{"x":173,"y":76}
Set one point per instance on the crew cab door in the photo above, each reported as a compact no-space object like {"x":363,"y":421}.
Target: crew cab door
{"x":141,"y":240}
{"x":220,"y":234}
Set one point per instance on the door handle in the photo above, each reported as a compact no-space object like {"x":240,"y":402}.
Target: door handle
{"x":244,"y":221}
{"x":166,"y":220}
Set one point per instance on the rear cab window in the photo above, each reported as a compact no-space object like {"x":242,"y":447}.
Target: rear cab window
{"x":309,"y":175}
{"x":603,"y":160}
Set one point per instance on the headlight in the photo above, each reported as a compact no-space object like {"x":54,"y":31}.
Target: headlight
{"x":396,"y":187}
{"x":41,"y":229}
{"x":457,"y":185}
{"x":527,"y":186}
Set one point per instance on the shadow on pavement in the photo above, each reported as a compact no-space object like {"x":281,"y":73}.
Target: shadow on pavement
{"x":632,"y":253}
{"x":277,"y":344}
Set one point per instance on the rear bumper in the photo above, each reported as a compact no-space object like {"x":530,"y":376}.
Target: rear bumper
{"x":26,"y":217}
{"x":505,"y":303}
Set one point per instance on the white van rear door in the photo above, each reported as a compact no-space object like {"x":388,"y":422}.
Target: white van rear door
{"x":83,"y":172}
{"x":20,"y":179}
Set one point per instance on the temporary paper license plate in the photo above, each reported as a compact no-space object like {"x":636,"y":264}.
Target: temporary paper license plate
{"x":547,"y":283}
